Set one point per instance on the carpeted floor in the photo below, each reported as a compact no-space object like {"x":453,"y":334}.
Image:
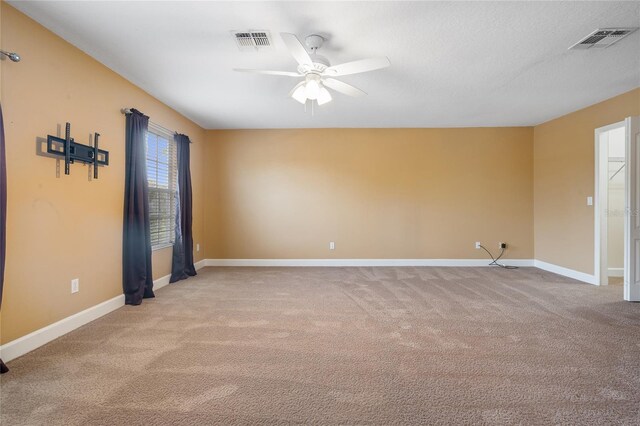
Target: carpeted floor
{"x":616,"y":281}
{"x":344,"y":346}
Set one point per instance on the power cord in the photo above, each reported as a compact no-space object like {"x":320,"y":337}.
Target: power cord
{"x":495,"y":260}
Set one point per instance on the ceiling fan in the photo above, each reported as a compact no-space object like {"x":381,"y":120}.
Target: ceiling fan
{"x":317,"y":71}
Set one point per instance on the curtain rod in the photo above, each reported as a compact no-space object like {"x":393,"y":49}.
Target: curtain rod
{"x":154,"y":124}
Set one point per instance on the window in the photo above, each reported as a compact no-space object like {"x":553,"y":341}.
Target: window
{"x":162,"y":176}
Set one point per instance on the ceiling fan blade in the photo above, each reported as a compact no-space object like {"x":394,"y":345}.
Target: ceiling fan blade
{"x":296,"y":48}
{"x":355,"y":67}
{"x":342,"y":87}
{"x":286,"y":73}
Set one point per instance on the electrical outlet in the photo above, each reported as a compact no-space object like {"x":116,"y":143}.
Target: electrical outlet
{"x":502,"y":245}
{"x":198,"y":247}
{"x":478,"y":243}
{"x":75,"y":285}
{"x":332,"y":245}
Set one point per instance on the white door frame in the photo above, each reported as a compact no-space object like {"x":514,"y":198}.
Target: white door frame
{"x":632,"y":211}
{"x":600,"y":203}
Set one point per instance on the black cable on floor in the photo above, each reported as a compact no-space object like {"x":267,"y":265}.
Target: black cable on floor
{"x":495,"y":260}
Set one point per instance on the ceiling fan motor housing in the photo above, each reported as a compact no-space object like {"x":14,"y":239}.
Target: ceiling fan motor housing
{"x":320,"y":63}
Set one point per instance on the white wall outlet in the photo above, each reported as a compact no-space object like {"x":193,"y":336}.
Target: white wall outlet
{"x":198,"y":247}
{"x":589,"y":201}
{"x":75,"y":285}
{"x":332,"y":245}
{"x":478,"y":243}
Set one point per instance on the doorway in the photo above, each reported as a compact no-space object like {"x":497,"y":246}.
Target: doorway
{"x":610,"y":201}
{"x":617,"y":206}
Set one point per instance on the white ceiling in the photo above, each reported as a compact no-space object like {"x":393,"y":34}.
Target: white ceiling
{"x":454,"y":64}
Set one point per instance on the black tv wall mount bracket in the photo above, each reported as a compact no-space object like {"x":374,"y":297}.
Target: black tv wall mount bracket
{"x":72,"y":151}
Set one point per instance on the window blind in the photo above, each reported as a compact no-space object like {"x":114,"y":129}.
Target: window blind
{"x":162,"y":175}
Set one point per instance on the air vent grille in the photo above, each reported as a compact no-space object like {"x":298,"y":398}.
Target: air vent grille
{"x":252,"y":40}
{"x":261,"y":39}
{"x":603,"y":37}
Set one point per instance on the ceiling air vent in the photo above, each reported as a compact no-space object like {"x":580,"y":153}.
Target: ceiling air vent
{"x":252,"y":40}
{"x":603,"y":37}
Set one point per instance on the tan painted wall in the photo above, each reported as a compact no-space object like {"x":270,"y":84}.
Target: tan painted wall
{"x":378,"y":193}
{"x":68,"y":227}
{"x":564,"y":156}
{"x":2,"y":47}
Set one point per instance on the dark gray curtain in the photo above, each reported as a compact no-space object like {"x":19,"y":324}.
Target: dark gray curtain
{"x":137,"y":279}
{"x":3,"y":216}
{"x":182,"y":266}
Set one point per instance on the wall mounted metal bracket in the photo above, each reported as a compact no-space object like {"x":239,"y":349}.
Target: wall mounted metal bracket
{"x":72,"y":151}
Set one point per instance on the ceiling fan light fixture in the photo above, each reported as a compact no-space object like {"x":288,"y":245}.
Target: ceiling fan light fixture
{"x":300,"y":94}
{"x":312,"y":89}
{"x":323,"y":96}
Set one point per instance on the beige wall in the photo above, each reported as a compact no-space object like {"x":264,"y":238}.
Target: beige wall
{"x":563,"y":178}
{"x":2,"y":47}
{"x":68,"y":227}
{"x":378,"y":193}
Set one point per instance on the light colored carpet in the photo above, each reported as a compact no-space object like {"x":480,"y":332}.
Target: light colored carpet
{"x":616,"y":281}
{"x":344,"y":346}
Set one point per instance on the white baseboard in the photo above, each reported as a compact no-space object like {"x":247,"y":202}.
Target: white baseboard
{"x":362,"y":262}
{"x":616,"y":272}
{"x":34,"y":340}
{"x":161,"y":282}
{"x":31,"y":341}
{"x":570,"y":273}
